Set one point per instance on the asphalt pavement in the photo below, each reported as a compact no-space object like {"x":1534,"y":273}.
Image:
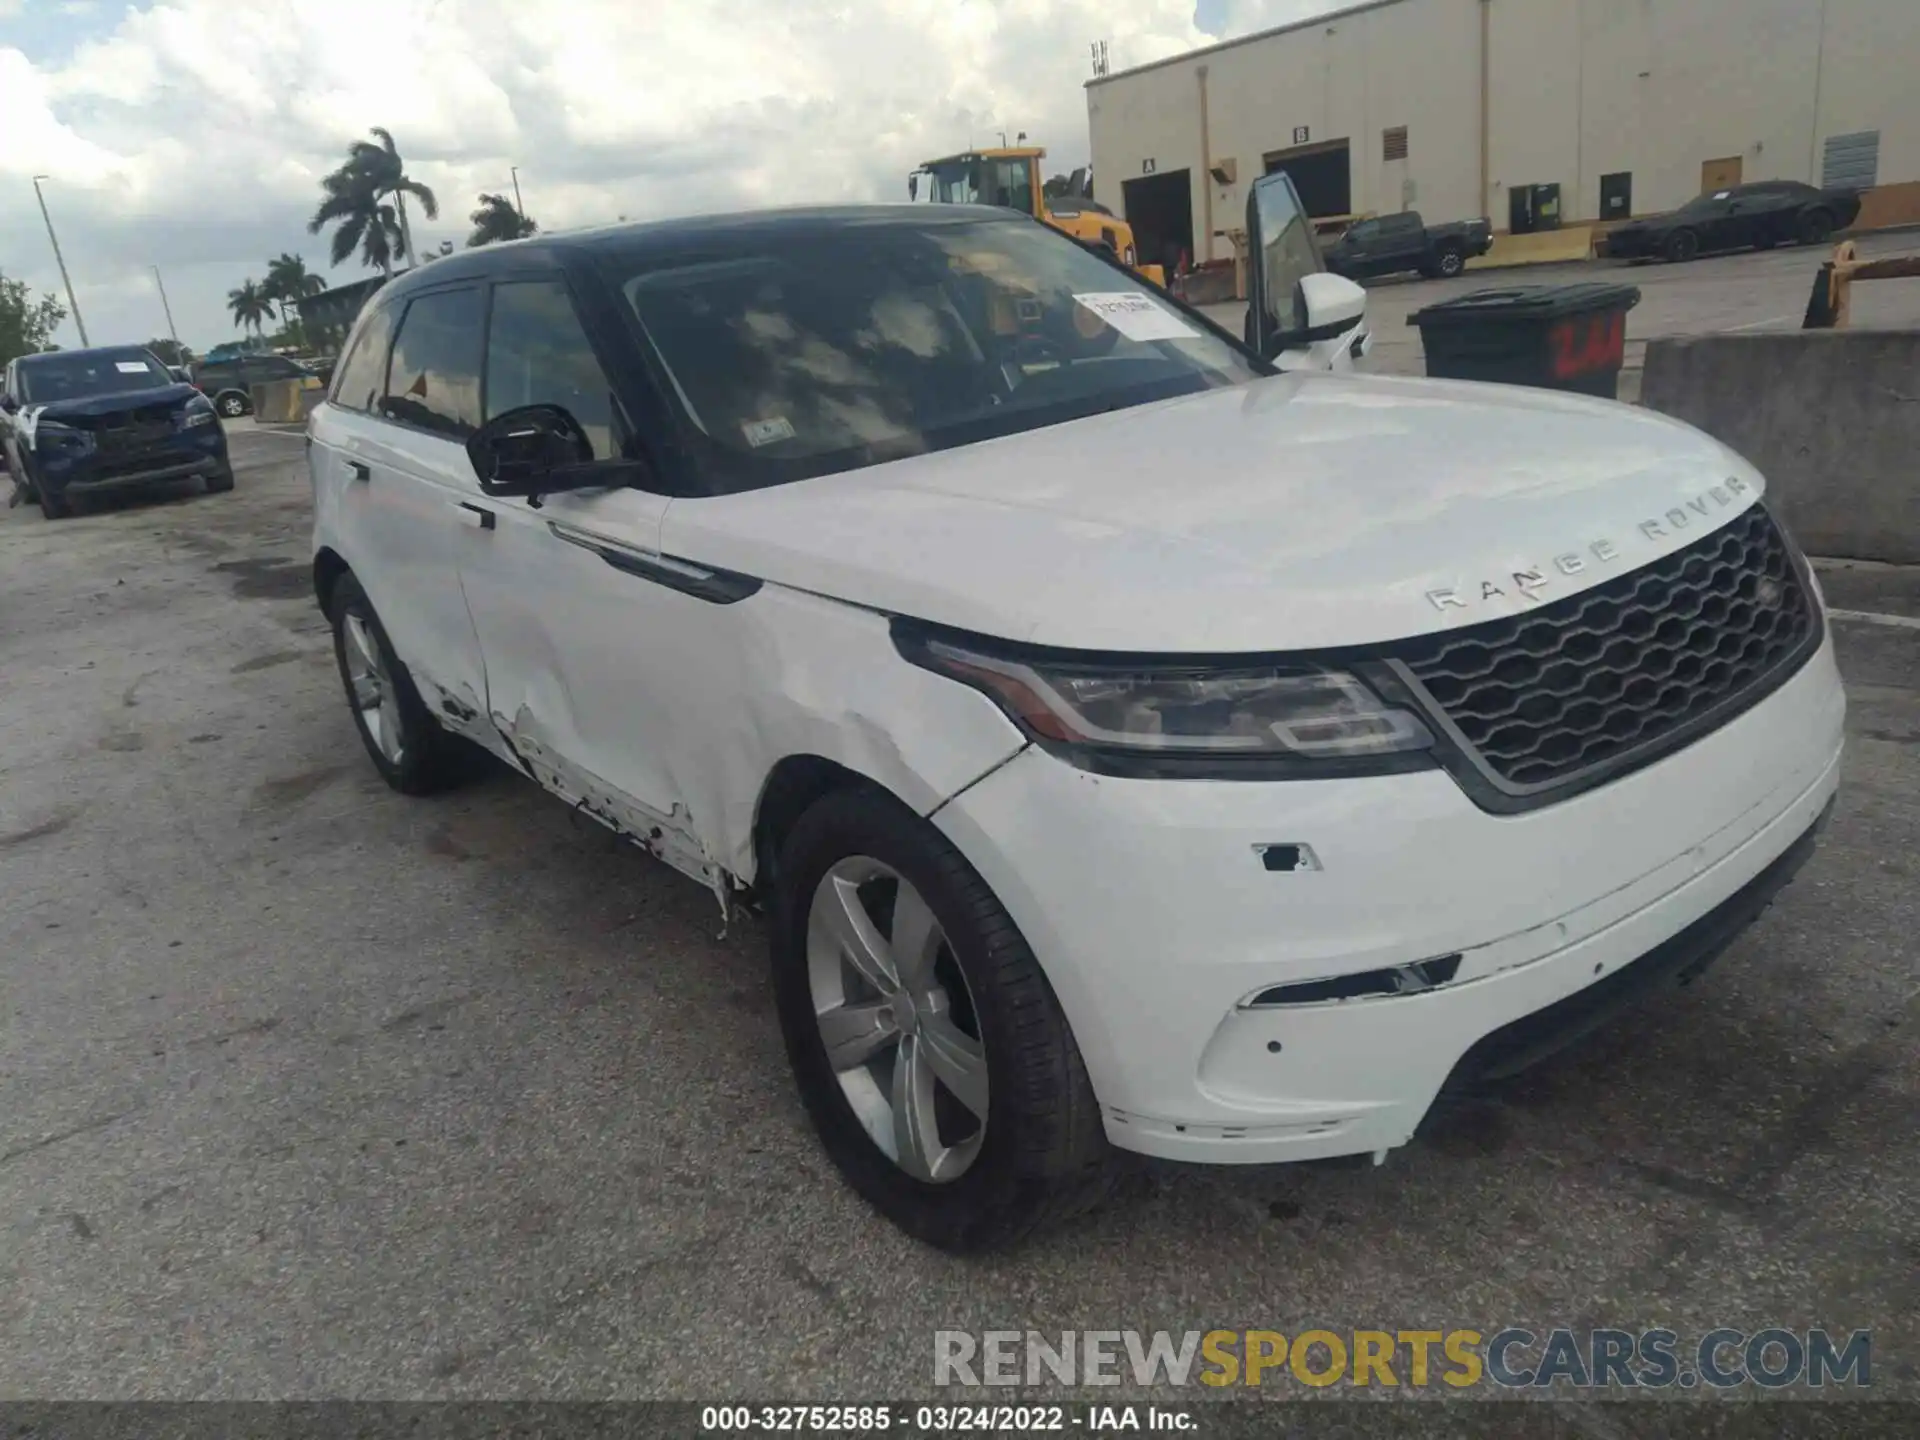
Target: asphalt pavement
{"x":309,"y":1090}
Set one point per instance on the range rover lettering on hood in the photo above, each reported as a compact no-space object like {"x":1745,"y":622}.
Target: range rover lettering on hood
{"x":1531,"y":584}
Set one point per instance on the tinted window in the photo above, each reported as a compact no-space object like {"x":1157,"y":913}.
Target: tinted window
{"x":1400,"y":224}
{"x":363,"y":377}
{"x":434,"y":380}
{"x":537,"y":354}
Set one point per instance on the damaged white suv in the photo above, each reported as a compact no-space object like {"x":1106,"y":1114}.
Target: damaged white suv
{"x":1134,"y":745}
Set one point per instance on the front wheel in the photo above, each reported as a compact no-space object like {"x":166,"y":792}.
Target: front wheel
{"x":220,"y":481}
{"x":1816,"y":227}
{"x":1682,"y":246}
{"x":1450,"y":262}
{"x":406,"y":744}
{"x":53,"y":506}
{"x":931,"y":1053}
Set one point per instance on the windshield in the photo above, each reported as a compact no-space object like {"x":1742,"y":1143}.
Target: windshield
{"x":1007,"y":183}
{"x":868,"y":342}
{"x":47,"y":379}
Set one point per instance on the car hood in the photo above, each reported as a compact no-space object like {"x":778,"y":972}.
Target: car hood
{"x":1307,"y":511}
{"x":111,"y":404}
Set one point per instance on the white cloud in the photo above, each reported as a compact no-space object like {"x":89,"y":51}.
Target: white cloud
{"x":192,"y":134}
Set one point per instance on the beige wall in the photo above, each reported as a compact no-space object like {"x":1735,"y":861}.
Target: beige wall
{"x":1580,"y":89}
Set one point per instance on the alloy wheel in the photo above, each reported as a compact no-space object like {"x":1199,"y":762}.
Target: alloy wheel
{"x":897,"y":1019}
{"x":374,"y":697}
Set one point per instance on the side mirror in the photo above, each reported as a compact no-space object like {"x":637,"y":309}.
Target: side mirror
{"x":534,"y":450}
{"x":1332,"y":304}
{"x":1329,"y":304}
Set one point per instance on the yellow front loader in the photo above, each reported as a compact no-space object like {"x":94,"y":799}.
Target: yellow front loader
{"x":1011,"y":177}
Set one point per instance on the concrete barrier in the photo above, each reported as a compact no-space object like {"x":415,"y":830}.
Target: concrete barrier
{"x":1830,"y":417}
{"x":283,"y":401}
{"x":1543,"y":247}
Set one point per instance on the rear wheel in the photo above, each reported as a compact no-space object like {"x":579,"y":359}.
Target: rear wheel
{"x":232,"y":404}
{"x":1682,"y":246}
{"x":406,"y":744}
{"x":929,"y":1049}
{"x":1816,"y":227}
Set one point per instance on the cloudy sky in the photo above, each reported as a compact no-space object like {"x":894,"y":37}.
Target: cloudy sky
{"x":191,"y":134}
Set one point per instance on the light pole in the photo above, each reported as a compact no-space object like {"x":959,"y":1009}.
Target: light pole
{"x":59,"y":260}
{"x":515,"y":170}
{"x":168,"y":308}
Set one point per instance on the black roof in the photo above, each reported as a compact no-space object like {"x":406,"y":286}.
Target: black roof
{"x":641,"y":240}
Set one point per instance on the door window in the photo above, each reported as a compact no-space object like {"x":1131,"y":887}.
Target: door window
{"x":363,"y":375}
{"x":537,"y":354}
{"x":434,"y":379}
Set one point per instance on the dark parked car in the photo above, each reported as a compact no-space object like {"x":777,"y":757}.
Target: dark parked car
{"x":1758,"y":216}
{"x":1388,"y":244}
{"x":227,"y":382}
{"x":85,"y":421}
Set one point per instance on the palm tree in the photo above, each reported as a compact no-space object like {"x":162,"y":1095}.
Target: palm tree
{"x":288,"y":280}
{"x":249,"y":306}
{"x":496,"y":219}
{"x":354,"y":192}
{"x":359,"y":221}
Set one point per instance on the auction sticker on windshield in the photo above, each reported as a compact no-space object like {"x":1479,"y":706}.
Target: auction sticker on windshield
{"x":1137,"y":316}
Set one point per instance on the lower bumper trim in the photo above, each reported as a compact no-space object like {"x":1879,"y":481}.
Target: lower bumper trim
{"x":1526,"y":1042}
{"x":182,"y":471}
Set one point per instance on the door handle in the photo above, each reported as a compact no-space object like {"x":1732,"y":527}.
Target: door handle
{"x":478,"y":516}
{"x":359,"y":471}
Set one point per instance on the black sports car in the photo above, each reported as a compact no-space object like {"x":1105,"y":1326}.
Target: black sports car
{"x":1758,"y":216}
{"x":84,"y":421}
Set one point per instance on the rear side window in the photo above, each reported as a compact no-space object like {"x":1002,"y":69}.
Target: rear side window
{"x":537,"y":354}
{"x":363,"y":375}
{"x":434,"y":380}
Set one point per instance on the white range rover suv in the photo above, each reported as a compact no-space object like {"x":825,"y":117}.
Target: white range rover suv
{"x":1135,"y":742}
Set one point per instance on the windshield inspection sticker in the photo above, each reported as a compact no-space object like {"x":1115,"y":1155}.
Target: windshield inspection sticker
{"x":130,"y":367}
{"x":766,"y":432}
{"x":1137,"y":316}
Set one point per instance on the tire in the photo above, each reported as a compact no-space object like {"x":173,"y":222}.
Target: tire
{"x":232,"y":405}
{"x":1041,"y":1154}
{"x":1450,"y":261}
{"x":1816,"y":227}
{"x":422,"y":758}
{"x":220,"y":481}
{"x":1682,"y":246}
{"x":52,"y":507}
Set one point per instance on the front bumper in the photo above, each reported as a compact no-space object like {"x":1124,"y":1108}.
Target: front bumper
{"x":69,"y":470}
{"x":1156,"y":922}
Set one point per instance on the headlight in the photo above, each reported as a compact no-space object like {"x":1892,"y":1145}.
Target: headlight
{"x":199,"y":411}
{"x":51,"y":435}
{"x":1212,"y":718}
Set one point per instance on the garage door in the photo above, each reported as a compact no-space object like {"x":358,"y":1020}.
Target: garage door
{"x":1853,"y":161}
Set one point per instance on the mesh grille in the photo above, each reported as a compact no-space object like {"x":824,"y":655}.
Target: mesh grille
{"x":1616,"y":669}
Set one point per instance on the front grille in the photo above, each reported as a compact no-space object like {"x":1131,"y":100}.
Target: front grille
{"x":121,"y":438}
{"x":1624,"y":671}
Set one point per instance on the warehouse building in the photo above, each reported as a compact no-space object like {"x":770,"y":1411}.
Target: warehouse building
{"x":1533,"y":113}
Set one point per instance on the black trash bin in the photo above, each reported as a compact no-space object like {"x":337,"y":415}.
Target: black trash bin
{"x":1556,"y":337}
